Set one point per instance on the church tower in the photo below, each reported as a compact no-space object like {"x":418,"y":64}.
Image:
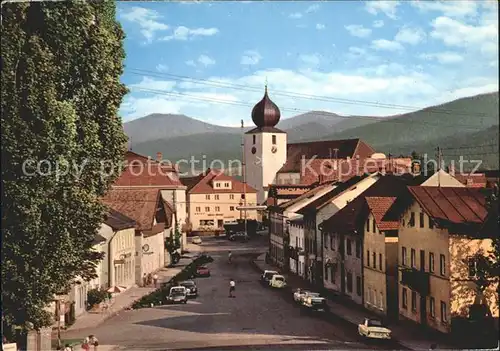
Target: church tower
{"x":264,"y":147}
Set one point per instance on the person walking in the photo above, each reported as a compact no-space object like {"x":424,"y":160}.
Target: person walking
{"x":229,"y":256}
{"x":232,"y":287}
{"x":155,"y":279}
{"x":93,"y":341}
{"x":144,"y":280}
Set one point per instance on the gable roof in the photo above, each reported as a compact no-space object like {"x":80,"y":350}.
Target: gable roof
{"x":378,"y":207}
{"x":353,"y":216}
{"x":118,"y":221}
{"x":138,"y":204}
{"x":340,"y":149}
{"x":329,"y":196}
{"x":314,"y":192}
{"x":442,"y":179}
{"x":201,"y":184}
{"x":451,"y":206}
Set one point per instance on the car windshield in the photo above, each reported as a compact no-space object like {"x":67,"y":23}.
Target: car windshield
{"x":280,"y":279}
{"x":177,"y":292}
{"x":312,"y":294}
{"x":187,"y":284}
{"x":375,"y":323}
{"x":318,"y":301}
{"x":202,"y":267}
{"x":269,"y":274}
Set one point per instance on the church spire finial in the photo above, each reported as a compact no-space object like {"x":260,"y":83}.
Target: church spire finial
{"x":266,"y":85}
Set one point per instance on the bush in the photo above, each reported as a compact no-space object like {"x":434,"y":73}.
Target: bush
{"x":96,"y":296}
{"x":159,"y":296}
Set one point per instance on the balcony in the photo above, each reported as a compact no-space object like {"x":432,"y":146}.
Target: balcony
{"x":416,"y":280}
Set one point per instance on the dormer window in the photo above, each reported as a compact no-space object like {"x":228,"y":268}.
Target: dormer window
{"x":274,"y":139}
{"x":217,"y":185}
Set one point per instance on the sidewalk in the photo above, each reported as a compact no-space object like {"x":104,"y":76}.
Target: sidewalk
{"x":409,"y":336}
{"x":127,"y":298}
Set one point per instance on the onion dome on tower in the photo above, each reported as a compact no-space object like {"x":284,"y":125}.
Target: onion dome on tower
{"x":265,"y":113}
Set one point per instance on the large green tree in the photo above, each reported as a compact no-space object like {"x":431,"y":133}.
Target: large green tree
{"x":61,"y":90}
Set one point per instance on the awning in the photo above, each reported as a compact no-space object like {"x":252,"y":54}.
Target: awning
{"x":116,"y":289}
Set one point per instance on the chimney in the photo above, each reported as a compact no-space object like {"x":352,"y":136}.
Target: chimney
{"x":159,"y":156}
{"x":452,"y":169}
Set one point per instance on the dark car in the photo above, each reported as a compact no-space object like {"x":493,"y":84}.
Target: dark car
{"x":191,"y":288}
{"x":242,"y":237}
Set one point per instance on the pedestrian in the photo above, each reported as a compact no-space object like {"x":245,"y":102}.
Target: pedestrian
{"x":155,"y":279}
{"x":144,"y":280}
{"x":232,"y":287}
{"x":229,"y":255}
{"x":68,"y":347}
{"x":150,"y":279}
{"x":85,"y":343}
{"x":93,"y":341}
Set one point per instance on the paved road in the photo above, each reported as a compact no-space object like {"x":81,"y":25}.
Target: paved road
{"x":257,"y":316}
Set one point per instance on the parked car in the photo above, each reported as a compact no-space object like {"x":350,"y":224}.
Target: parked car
{"x":374,"y":329}
{"x":178,"y":294}
{"x":315,"y":304}
{"x":202,"y":271}
{"x":299,"y":295}
{"x":277,"y":281}
{"x":192,"y":289}
{"x":267,"y":275}
{"x":242,"y":237}
{"x":196,"y":240}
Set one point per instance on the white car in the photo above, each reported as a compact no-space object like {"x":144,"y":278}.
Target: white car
{"x":196,"y":240}
{"x":374,"y":329}
{"x":267,"y":275}
{"x":178,"y":294}
{"x":299,"y":295}
{"x":277,"y":281}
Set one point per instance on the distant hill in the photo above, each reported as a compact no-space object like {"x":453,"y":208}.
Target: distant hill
{"x":463,"y":122}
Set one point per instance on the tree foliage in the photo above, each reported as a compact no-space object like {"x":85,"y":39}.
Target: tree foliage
{"x":61,"y":90}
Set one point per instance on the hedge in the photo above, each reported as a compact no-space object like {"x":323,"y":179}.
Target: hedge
{"x":159,"y":296}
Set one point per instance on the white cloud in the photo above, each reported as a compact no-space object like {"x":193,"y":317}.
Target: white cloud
{"x":312,"y":8}
{"x":251,"y":57}
{"x":378,"y":24}
{"x":295,"y":15}
{"x":206,"y":61}
{"x":389,"y":8}
{"x":185,"y":33}
{"x":311,"y":60}
{"x":359,"y":31}
{"x":449,"y":8}
{"x":147,"y":20}
{"x":155,"y":84}
{"x":386,"y":45}
{"x":161,"y":68}
{"x":320,"y":26}
{"x":483,"y":37}
{"x":446,"y":57}
{"x":410,"y":35}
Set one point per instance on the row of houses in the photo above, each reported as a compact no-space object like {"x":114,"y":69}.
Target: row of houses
{"x":401,"y":245}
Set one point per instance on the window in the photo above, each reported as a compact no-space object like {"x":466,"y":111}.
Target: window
{"x":422,"y":218}
{"x":207,"y":197}
{"x":332,"y":242}
{"x":217,"y":208}
{"x":349,"y":248}
{"x":432,"y":307}
{"x":472,"y":263}
{"x":274,"y":139}
{"x":325,"y":240}
{"x":243,"y":196}
{"x":226,"y":185}
{"x":198,"y":209}
{"x":254,"y":138}
{"x":216,"y":197}
{"x":414,"y":301}
{"x":374,"y":262}
{"x":368,"y":225}
{"x":326,"y":272}
{"x":358,"y":249}
{"x":349,"y":282}
{"x":358,"y":286}
{"x":404,"y":298}
{"x":381,"y":301}
{"x":231,"y":208}
{"x":374,"y":229}
{"x":431,"y":223}
{"x":404,"y":256}
{"x":368,"y":258}
{"x":370,"y":296}
{"x":207,"y":209}
{"x":444,"y":318}
{"x":442,"y":265}
{"x":374,"y":297}
{"x":412,"y":219}
{"x":413,"y":258}
{"x":431,"y":262}
{"x":380,"y":262}
{"x":231,"y":196}
{"x":217,"y":185}
{"x":332,"y":274}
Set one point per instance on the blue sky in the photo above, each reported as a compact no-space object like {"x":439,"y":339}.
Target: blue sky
{"x":210,"y":60}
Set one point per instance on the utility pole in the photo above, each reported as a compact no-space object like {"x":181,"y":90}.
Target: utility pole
{"x":244,"y":174}
{"x":438,"y":149}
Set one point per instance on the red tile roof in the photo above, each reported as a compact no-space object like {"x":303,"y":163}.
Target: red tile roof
{"x":138,"y":204}
{"x":118,"y":221}
{"x":476,"y":180}
{"x":340,"y":149}
{"x":450,"y":205}
{"x":143,"y":171}
{"x":308,"y":194}
{"x":378,"y":207}
{"x":202,"y":184}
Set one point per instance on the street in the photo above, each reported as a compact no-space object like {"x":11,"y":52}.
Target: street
{"x":257,"y":316}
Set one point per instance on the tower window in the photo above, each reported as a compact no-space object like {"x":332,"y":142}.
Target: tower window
{"x":254,"y":138}
{"x":274,"y":139}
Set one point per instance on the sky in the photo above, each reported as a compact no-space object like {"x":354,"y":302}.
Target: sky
{"x":211,"y":60}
